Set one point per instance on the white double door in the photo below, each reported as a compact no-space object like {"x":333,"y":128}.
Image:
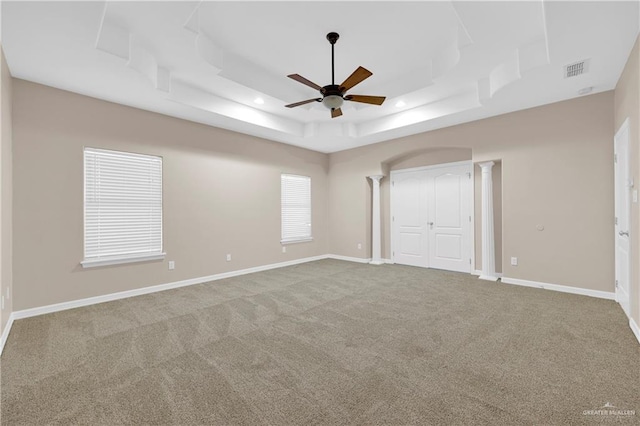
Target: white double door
{"x":431,"y":217}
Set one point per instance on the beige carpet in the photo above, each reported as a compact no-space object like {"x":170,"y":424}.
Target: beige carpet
{"x":327,"y":342}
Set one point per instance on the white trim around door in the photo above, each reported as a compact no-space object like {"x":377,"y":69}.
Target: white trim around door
{"x":623,"y":190}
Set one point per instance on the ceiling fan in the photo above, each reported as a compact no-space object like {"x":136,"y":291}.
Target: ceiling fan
{"x":334,"y":95}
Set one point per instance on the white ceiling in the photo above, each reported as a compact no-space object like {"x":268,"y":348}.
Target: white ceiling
{"x":450,"y":62}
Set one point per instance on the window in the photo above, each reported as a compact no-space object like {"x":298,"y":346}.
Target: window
{"x":296,"y":208}
{"x":122,"y":207}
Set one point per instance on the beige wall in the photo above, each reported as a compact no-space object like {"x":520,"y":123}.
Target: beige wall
{"x":221,"y":195}
{"x":6,"y":188}
{"x":555,"y":166}
{"x":557,"y":171}
{"x":627,"y":105}
{"x":428,"y":157}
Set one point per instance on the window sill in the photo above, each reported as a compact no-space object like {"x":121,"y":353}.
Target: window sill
{"x":106,"y":261}
{"x":296,"y":241}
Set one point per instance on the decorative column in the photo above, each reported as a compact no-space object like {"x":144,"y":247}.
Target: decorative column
{"x":488,"y":243}
{"x":376,"y":249}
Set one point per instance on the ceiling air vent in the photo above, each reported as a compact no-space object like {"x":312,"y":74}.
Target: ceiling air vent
{"x":577,"y":68}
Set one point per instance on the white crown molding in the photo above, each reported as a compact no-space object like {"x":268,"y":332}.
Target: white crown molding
{"x":453,"y":104}
{"x":115,"y":38}
{"x":561,"y":288}
{"x":439,"y":89}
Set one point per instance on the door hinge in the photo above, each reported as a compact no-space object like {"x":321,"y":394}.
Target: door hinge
{"x":469,"y":218}
{"x":616,"y":283}
{"x":393,"y":218}
{"x":469,"y":261}
{"x":616,"y":221}
{"x":393,"y":183}
{"x":615,"y":158}
{"x":469,"y":175}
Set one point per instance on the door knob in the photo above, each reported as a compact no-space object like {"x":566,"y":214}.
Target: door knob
{"x":623,"y":233}
{"x":430,"y":224}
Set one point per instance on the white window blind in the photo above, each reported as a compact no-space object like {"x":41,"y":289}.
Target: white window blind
{"x":296,"y":208}
{"x":122,"y":207}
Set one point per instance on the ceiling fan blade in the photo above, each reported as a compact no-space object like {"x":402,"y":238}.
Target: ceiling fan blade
{"x":375,"y":100}
{"x":336,"y":112}
{"x":301,"y":79}
{"x":303,"y":102}
{"x":356,"y":77}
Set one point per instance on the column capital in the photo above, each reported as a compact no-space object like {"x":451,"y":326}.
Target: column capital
{"x":375,"y":177}
{"x":487,"y":165}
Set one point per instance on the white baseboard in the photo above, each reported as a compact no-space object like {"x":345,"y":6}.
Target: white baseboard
{"x":358,"y":259}
{"x":349,"y":258}
{"x":41,"y":310}
{"x":5,"y":332}
{"x":478,"y":272}
{"x":489,"y":278}
{"x":26,"y":313}
{"x":562,"y":288}
{"x":634,"y":328}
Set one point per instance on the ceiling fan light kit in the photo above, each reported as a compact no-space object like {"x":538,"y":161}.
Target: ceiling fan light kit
{"x":333,"y":95}
{"x":333,"y":101}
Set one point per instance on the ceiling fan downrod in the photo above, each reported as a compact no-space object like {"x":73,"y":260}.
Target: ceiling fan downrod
{"x":333,"y":37}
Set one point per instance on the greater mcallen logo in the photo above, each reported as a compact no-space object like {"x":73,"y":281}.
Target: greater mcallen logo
{"x":609,"y":409}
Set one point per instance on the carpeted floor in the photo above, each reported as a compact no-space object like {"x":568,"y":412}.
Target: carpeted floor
{"x":327,"y":342}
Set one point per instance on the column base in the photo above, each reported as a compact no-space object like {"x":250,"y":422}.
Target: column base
{"x":376,"y":262}
{"x":488,"y":278}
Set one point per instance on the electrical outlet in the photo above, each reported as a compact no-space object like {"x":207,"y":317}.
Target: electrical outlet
{"x":514,"y":261}
{"x":172,"y":265}
{"x":284,"y":249}
{"x":228,"y":258}
{"x":359,"y":246}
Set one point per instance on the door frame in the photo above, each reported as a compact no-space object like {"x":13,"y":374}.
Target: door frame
{"x":472,"y":232}
{"x":626,"y":308}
